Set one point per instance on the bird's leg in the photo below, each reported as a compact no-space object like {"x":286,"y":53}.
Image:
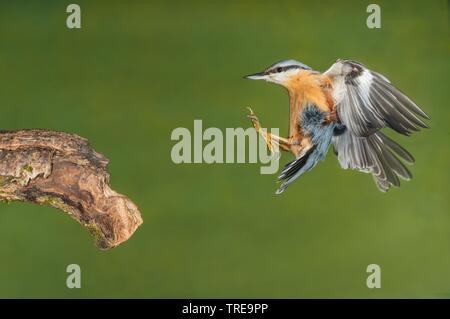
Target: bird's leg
{"x":269,"y":138}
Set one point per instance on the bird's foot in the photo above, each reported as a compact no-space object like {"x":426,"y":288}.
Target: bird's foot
{"x":257,"y":126}
{"x":255,"y":121}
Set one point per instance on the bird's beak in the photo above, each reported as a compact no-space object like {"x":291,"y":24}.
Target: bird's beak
{"x":257,"y":76}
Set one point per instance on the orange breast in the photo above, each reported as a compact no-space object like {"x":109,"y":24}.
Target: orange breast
{"x":306,"y":87}
{"x":311,"y":87}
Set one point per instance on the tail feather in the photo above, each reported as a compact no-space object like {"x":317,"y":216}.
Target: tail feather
{"x":376,"y":154}
{"x":396,"y":148}
{"x":297,"y":167}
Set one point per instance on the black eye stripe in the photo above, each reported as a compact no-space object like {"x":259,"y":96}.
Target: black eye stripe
{"x":291,"y":67}
{"x":283,"y":68}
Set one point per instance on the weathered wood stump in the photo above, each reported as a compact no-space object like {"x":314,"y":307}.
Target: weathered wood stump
{"x":61,"y":170}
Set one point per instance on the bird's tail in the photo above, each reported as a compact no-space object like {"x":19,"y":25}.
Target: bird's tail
{"x":376,"y":154}
{"x":297,"y":167}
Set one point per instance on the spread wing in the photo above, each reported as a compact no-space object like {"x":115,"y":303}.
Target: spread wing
{"x":366,"y":101}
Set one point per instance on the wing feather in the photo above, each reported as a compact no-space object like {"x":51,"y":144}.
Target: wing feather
{"x":366,"y":101}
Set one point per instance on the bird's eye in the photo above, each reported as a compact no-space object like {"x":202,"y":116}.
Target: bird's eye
{"x":279,"y":69}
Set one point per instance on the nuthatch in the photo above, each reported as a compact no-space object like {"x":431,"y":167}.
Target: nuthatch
{"x":346,"y":106}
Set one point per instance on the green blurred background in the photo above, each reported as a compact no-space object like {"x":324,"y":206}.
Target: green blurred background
{"x":138,"y":69}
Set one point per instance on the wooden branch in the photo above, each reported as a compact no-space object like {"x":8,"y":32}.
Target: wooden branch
{"x":61,"y":170}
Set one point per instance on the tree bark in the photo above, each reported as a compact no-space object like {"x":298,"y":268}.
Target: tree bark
{"x":61,"y":170}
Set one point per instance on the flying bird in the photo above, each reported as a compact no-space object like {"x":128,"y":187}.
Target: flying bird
{"x":346,"y":106}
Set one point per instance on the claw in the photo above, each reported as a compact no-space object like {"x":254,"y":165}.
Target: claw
{"x":252,"y":115}
{"x":255,"y":121}
{"x":267,"y":137}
